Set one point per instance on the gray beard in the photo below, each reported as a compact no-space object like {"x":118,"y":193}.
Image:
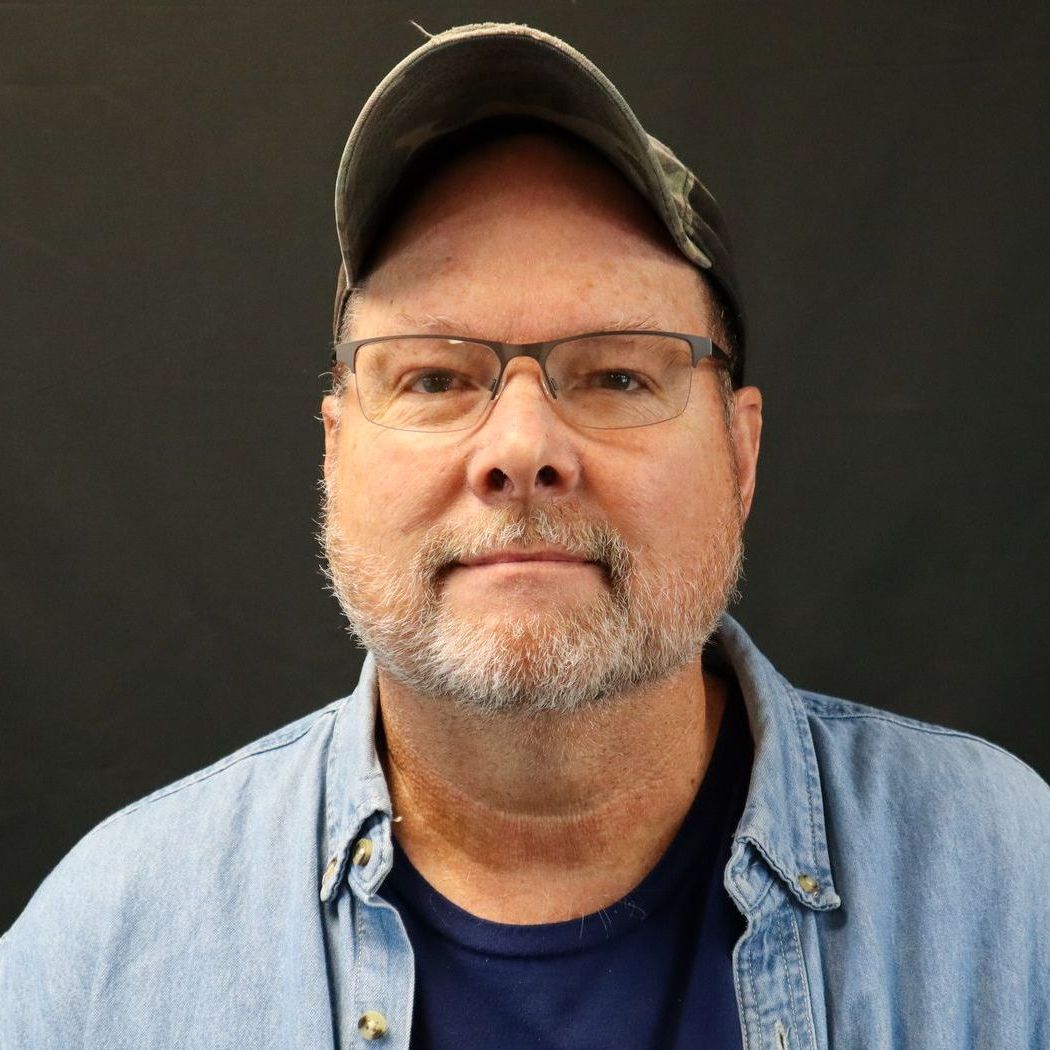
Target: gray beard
{"x":643,"y":626}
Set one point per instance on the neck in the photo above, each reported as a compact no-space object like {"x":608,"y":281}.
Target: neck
{"x":529,"y":819}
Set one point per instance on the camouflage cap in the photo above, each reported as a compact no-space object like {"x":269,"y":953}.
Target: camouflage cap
{"x":477,"y":72}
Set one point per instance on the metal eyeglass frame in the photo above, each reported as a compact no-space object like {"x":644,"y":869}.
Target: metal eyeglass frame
{"x":701,"y":347}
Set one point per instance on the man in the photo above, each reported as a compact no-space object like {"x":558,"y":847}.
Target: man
{"x":569,"y":804}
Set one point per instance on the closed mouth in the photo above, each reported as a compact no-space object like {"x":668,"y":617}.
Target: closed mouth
{"x":503,"y":557}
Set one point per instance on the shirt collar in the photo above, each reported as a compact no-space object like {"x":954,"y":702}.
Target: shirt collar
{"x":783,"y":816}
{"x":356,"y":793}
{"x":784,"y":813}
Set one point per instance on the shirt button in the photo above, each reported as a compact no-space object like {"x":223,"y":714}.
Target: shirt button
{"x":362,"y":854}
{"x":808,"y":884}
{"x":330,"y":870}
{"x":372,"y":1024}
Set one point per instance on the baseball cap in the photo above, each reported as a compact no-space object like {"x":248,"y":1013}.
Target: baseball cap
{"x":477,"y":73}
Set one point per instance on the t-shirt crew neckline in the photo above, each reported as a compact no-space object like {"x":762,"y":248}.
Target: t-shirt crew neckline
{"x":701,"y":841}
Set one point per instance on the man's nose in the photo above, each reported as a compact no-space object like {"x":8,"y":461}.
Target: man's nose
{"x":524,"y":451}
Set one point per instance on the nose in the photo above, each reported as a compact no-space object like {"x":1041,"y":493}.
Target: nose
{"x":524,"y":451}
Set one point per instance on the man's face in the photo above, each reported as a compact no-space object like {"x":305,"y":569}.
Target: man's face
{"x":631,"y":538}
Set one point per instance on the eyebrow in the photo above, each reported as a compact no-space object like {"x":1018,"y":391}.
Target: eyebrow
{"x":438,"y":323}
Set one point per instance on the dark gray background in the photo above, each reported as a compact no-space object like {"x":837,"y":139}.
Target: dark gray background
{"x":168,"y":260}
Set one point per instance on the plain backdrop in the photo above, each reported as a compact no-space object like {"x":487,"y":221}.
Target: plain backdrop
{"x":168,"y":262}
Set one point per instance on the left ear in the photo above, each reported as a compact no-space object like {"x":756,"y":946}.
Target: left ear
{"x":746,"y":434}
{"x":330,"y":416}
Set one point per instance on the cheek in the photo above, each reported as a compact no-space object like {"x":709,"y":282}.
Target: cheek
{"x":672,"y":496}
{"x":388,"y":489}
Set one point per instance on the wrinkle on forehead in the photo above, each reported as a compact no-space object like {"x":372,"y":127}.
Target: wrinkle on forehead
{"x":424,"y":323}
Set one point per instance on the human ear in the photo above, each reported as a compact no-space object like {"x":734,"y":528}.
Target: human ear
{"x":331,"y":410}
{"x":746,"y":435}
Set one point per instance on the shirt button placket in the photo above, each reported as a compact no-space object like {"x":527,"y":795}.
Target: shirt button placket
{"x":383,"y":966}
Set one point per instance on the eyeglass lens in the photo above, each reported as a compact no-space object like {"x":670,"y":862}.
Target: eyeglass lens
{"x":613,"y":380}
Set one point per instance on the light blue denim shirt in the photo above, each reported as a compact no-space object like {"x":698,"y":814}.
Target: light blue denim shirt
{"x":894,"y":876}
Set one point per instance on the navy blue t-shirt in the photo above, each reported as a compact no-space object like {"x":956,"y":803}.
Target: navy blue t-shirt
{"x":652,"y":970}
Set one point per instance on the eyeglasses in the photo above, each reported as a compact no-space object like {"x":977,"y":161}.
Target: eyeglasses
{"x":605,"y":380}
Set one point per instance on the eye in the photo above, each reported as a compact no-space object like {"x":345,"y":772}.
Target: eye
{"x":434,"y":382}
{"x":621,"y":382}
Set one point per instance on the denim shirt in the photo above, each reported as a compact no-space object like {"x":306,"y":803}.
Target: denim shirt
{"x":893,"y":876}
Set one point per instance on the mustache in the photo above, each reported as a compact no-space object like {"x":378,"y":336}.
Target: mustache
{"x":539,"y":526}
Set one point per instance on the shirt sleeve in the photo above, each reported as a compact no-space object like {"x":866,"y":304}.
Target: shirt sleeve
{"x":44,"y":982}
{"x":49,"y":958}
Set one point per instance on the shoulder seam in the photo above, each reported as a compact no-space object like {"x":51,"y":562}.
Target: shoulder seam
{"x":818,"y":710}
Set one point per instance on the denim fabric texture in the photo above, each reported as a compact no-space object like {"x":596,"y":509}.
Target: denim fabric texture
{"x":893,"y":876}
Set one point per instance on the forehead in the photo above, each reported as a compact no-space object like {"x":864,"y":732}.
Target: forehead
{"x":523,"y":227}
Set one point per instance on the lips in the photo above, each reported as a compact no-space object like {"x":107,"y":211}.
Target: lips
{"x":501,"y":557}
